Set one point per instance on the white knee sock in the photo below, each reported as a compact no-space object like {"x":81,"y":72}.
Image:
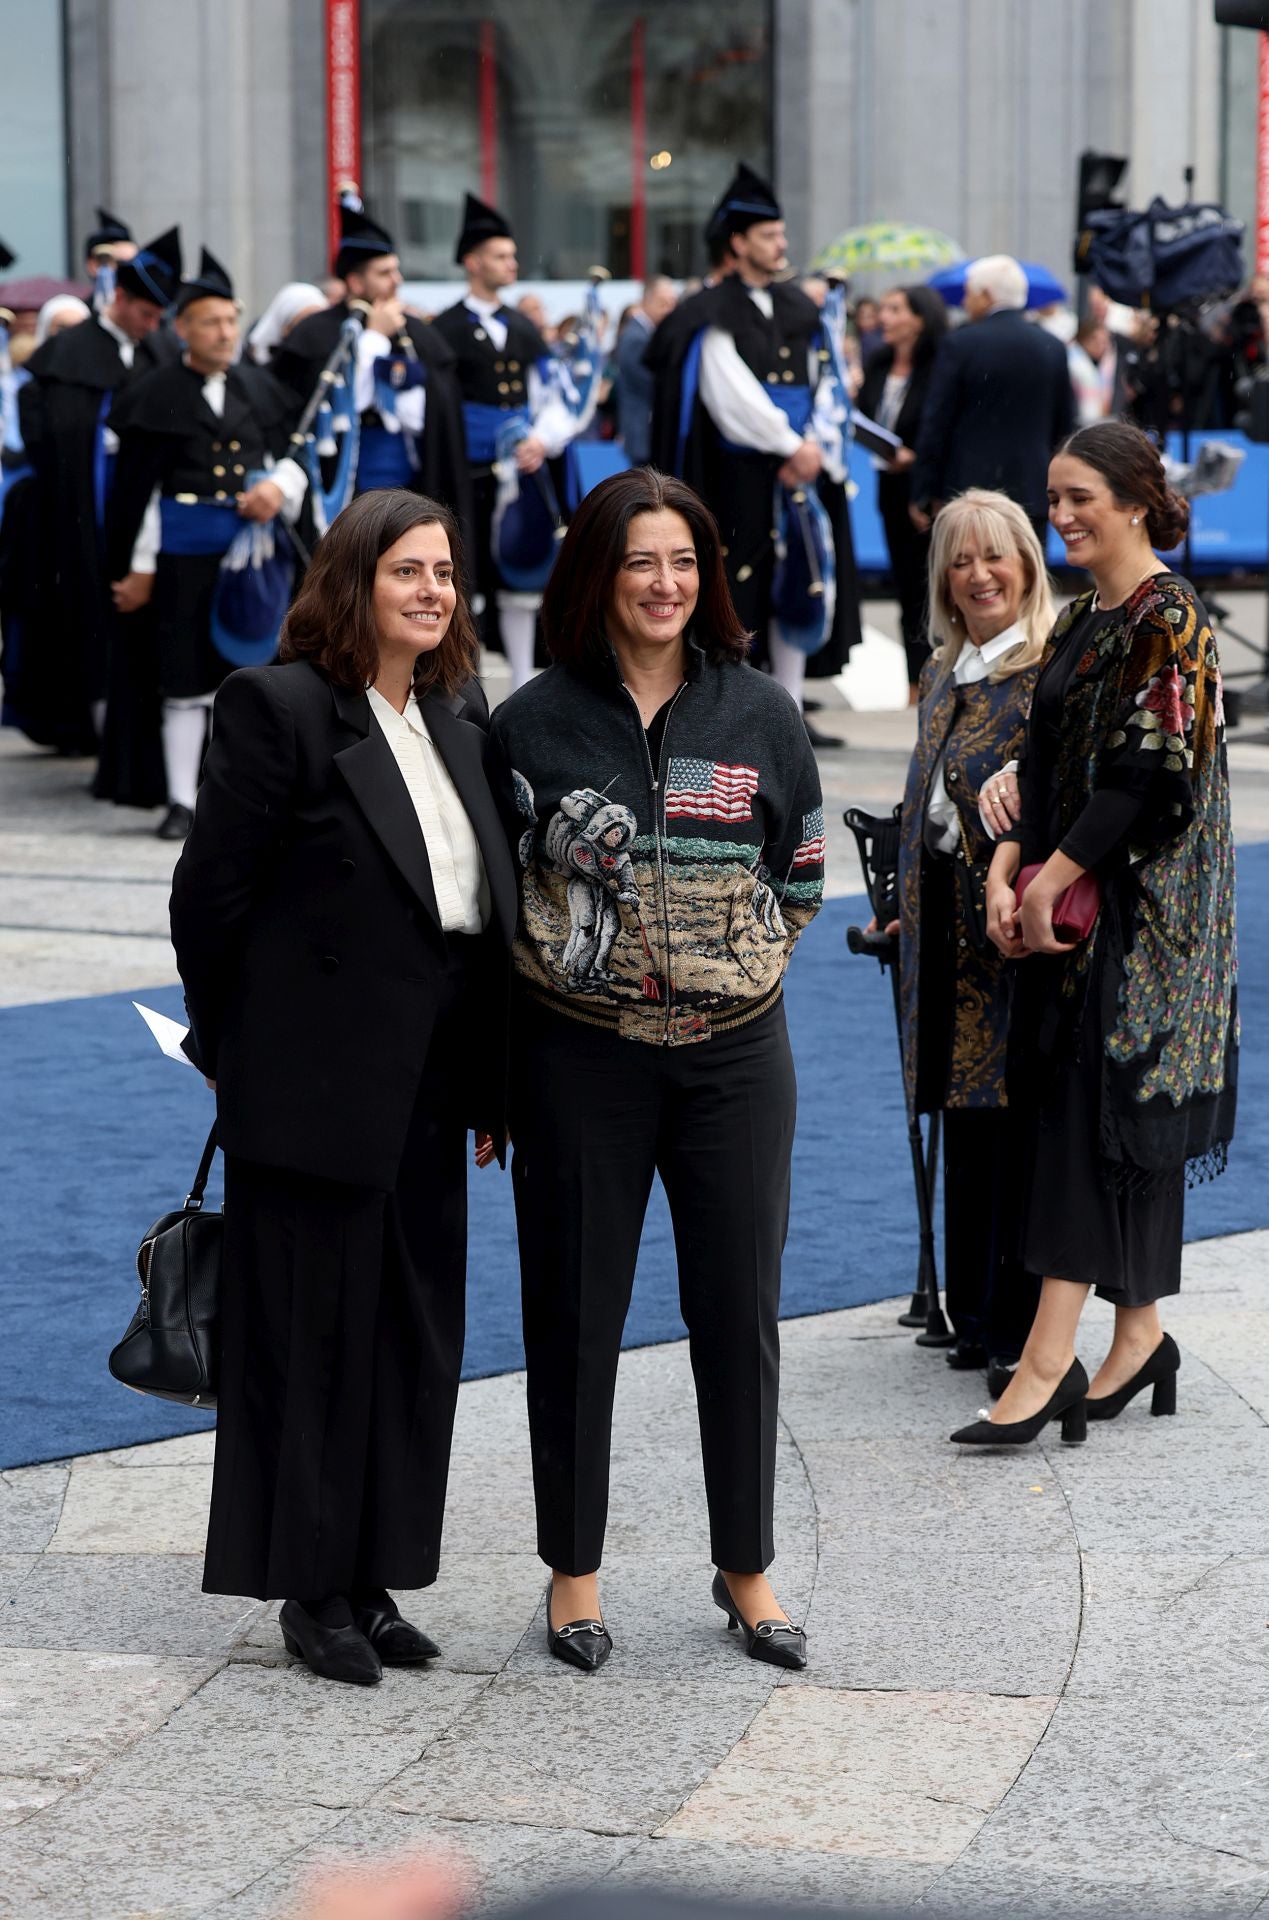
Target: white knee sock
{"x":184,"y":732}
{"x":99,"y":719}
{"x":518,"y":621}
{"x":788,"y":664}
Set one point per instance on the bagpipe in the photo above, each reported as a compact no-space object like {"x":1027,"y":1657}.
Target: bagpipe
{"x":329,"y":428}
{"x":256,"y":575}
{"x":804,"y":584}
{"x":528,"y":520}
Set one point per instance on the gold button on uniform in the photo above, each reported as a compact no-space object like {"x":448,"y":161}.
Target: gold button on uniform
{"x":784,"y":353}
{"x":517,"y":386}
{"x":744,"y":573}
{"x":240,"y":469}
{"x":788,"y":373}
{"x":215,"y":446}
{"x":221,"y":494}
{"x":773,"y":379}
{"x":219,"y":472}
{"x":503,"y":387}
{"x":235,"y":446}
{"x":500,"y":366}
{"x":480,"y":334}
{"x":514,"y":365}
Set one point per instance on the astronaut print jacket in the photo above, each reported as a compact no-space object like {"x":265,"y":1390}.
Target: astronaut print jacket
{"x":664,"y":884}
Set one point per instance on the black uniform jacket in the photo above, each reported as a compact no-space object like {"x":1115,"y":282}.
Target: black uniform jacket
{"x":999,"y":402}
{"x":306,"y":928}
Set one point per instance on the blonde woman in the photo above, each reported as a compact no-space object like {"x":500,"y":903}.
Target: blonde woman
{"x":991,"y":608}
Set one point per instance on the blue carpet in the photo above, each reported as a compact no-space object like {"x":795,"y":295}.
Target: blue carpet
{"x":101,"y":1135}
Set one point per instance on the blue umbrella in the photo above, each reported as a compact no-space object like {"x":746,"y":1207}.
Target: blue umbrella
{"x":1043,"y":288}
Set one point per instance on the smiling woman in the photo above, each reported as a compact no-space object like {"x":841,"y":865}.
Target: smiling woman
{"x":341,"y":914}
{"x":666,"y":803}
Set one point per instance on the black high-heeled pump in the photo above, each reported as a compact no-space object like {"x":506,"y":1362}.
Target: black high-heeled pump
{"x":1066,"y":1403}
{"x":778,"y":1642}
{"x":1160,"y":1372}
{"x":580,"y":1643}
{"x":336,"y":1653}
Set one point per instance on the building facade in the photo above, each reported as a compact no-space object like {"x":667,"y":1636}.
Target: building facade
{"x":606,"y":128}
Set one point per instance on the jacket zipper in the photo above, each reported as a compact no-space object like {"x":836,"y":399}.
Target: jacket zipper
{"x":654,"y":779}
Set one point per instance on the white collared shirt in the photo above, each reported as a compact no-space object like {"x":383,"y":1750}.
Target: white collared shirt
{"x":736,"y":399}
{"x":943,"y":825}
{"x":453,"y":851}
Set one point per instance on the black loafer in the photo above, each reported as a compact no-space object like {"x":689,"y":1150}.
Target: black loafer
{"x":396,"y":1641}
{"x":336,"y":1653}
{"x":579,"y":1643}
{"x":778,"y":1642}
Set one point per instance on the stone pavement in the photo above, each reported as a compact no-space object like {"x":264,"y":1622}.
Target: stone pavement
{"x":1039,"y":1683}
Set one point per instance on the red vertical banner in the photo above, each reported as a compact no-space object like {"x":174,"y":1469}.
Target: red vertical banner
{"x":1262,"y":162}
{"x":488,"y":112}
{"x":638,"y":153}
{"x":343,"y":106}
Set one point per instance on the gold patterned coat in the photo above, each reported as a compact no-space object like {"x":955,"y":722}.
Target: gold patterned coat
{"x":976,"y":728}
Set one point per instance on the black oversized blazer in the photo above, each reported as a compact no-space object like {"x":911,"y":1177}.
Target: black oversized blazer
{"x":306,"y":927}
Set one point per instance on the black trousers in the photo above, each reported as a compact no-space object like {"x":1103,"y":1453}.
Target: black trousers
{"x":991,"y":1298}
{"x":342,"y":1319}
{"x":909,"y":551}
{"x":593,"y":1117}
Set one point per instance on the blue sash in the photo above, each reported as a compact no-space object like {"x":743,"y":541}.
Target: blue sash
{"x":483,"y":424}
{"x":103,"y":463}
{"x":794,"y":403}
{"x":383,"y":460}
{"x":197,"y":527}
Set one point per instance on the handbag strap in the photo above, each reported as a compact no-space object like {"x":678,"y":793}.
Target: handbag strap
{"x":194,"y":1198}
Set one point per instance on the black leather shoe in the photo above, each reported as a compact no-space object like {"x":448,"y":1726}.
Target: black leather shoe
{"x":967,"y":1356}
{"x":778,"y":1642}
{"x":1066,"y":1403}
{"x":821,"y":741}
{"x":397,"y":1642}
{"x":175,"y":824}
{"x":336,"y":1653}
{"x":1160,"y":1372}
{"x":580,"y":1643}
{"x":999,"y":1374}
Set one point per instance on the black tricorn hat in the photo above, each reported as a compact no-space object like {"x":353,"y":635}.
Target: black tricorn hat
{"x":211,"y":282}
{"x":747,"y":201}
{"x":361,"y":240}
{"x":109,"y":230}
{"x":480,"y":223}
{"x":155,"y":272}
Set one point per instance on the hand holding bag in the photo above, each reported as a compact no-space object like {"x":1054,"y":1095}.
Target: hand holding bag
{"x":170,"y":1346}
{"x":1075,"y":911}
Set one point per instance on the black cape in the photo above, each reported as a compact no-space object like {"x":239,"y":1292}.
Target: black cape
{"x":69,"y":641}
{"x":442,"y":450}
{"x":738,"y":488}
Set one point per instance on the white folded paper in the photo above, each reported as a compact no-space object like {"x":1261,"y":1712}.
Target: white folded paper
{"x":168,"y":1033}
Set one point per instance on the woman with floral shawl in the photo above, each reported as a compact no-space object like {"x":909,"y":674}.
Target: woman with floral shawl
{"x":1123,"y":1046}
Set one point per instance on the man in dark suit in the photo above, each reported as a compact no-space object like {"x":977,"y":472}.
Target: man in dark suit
{"x":635,"y":384}
{"x":1000,"y":401}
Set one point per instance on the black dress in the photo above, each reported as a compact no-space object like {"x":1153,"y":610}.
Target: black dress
{"x":1081,"y":1221}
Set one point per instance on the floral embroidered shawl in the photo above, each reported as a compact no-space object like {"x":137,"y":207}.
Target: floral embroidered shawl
{"x":1144,"y":714}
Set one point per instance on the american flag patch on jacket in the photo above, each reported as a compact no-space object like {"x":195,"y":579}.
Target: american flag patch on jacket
{"x":811,"y":851}
{"x":708,"y":790}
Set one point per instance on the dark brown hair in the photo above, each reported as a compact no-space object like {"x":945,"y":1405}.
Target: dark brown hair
{"x":575,"y":604}
{"x":332,"y":622}
{"x":1129,"y":463}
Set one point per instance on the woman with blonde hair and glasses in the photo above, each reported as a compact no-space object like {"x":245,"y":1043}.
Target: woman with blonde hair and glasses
{"x":991,"y":608}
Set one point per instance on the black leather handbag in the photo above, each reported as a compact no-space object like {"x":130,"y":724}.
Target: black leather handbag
{"x":170,"y":1345}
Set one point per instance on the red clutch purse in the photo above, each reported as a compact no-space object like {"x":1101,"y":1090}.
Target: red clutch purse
{"x":1075,"y":911}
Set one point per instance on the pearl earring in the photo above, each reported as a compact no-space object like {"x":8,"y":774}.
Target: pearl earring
{"x":1135,"y":518}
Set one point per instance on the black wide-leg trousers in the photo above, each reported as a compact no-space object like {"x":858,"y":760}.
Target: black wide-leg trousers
{"x":593,"y":1117}
{"x":342,"y":1322}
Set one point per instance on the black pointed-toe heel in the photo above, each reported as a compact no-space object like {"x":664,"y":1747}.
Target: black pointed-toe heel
{"x":580,"y":1643}
{"x":1067,"y":1403}
{"x":778,"y":1642}
{"x":1160,"y":1372}
{"x":336,"y":1653}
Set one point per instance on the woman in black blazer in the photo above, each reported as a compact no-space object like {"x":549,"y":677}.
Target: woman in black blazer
{"x":896,"y":382}
{"x":341,"y":914}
